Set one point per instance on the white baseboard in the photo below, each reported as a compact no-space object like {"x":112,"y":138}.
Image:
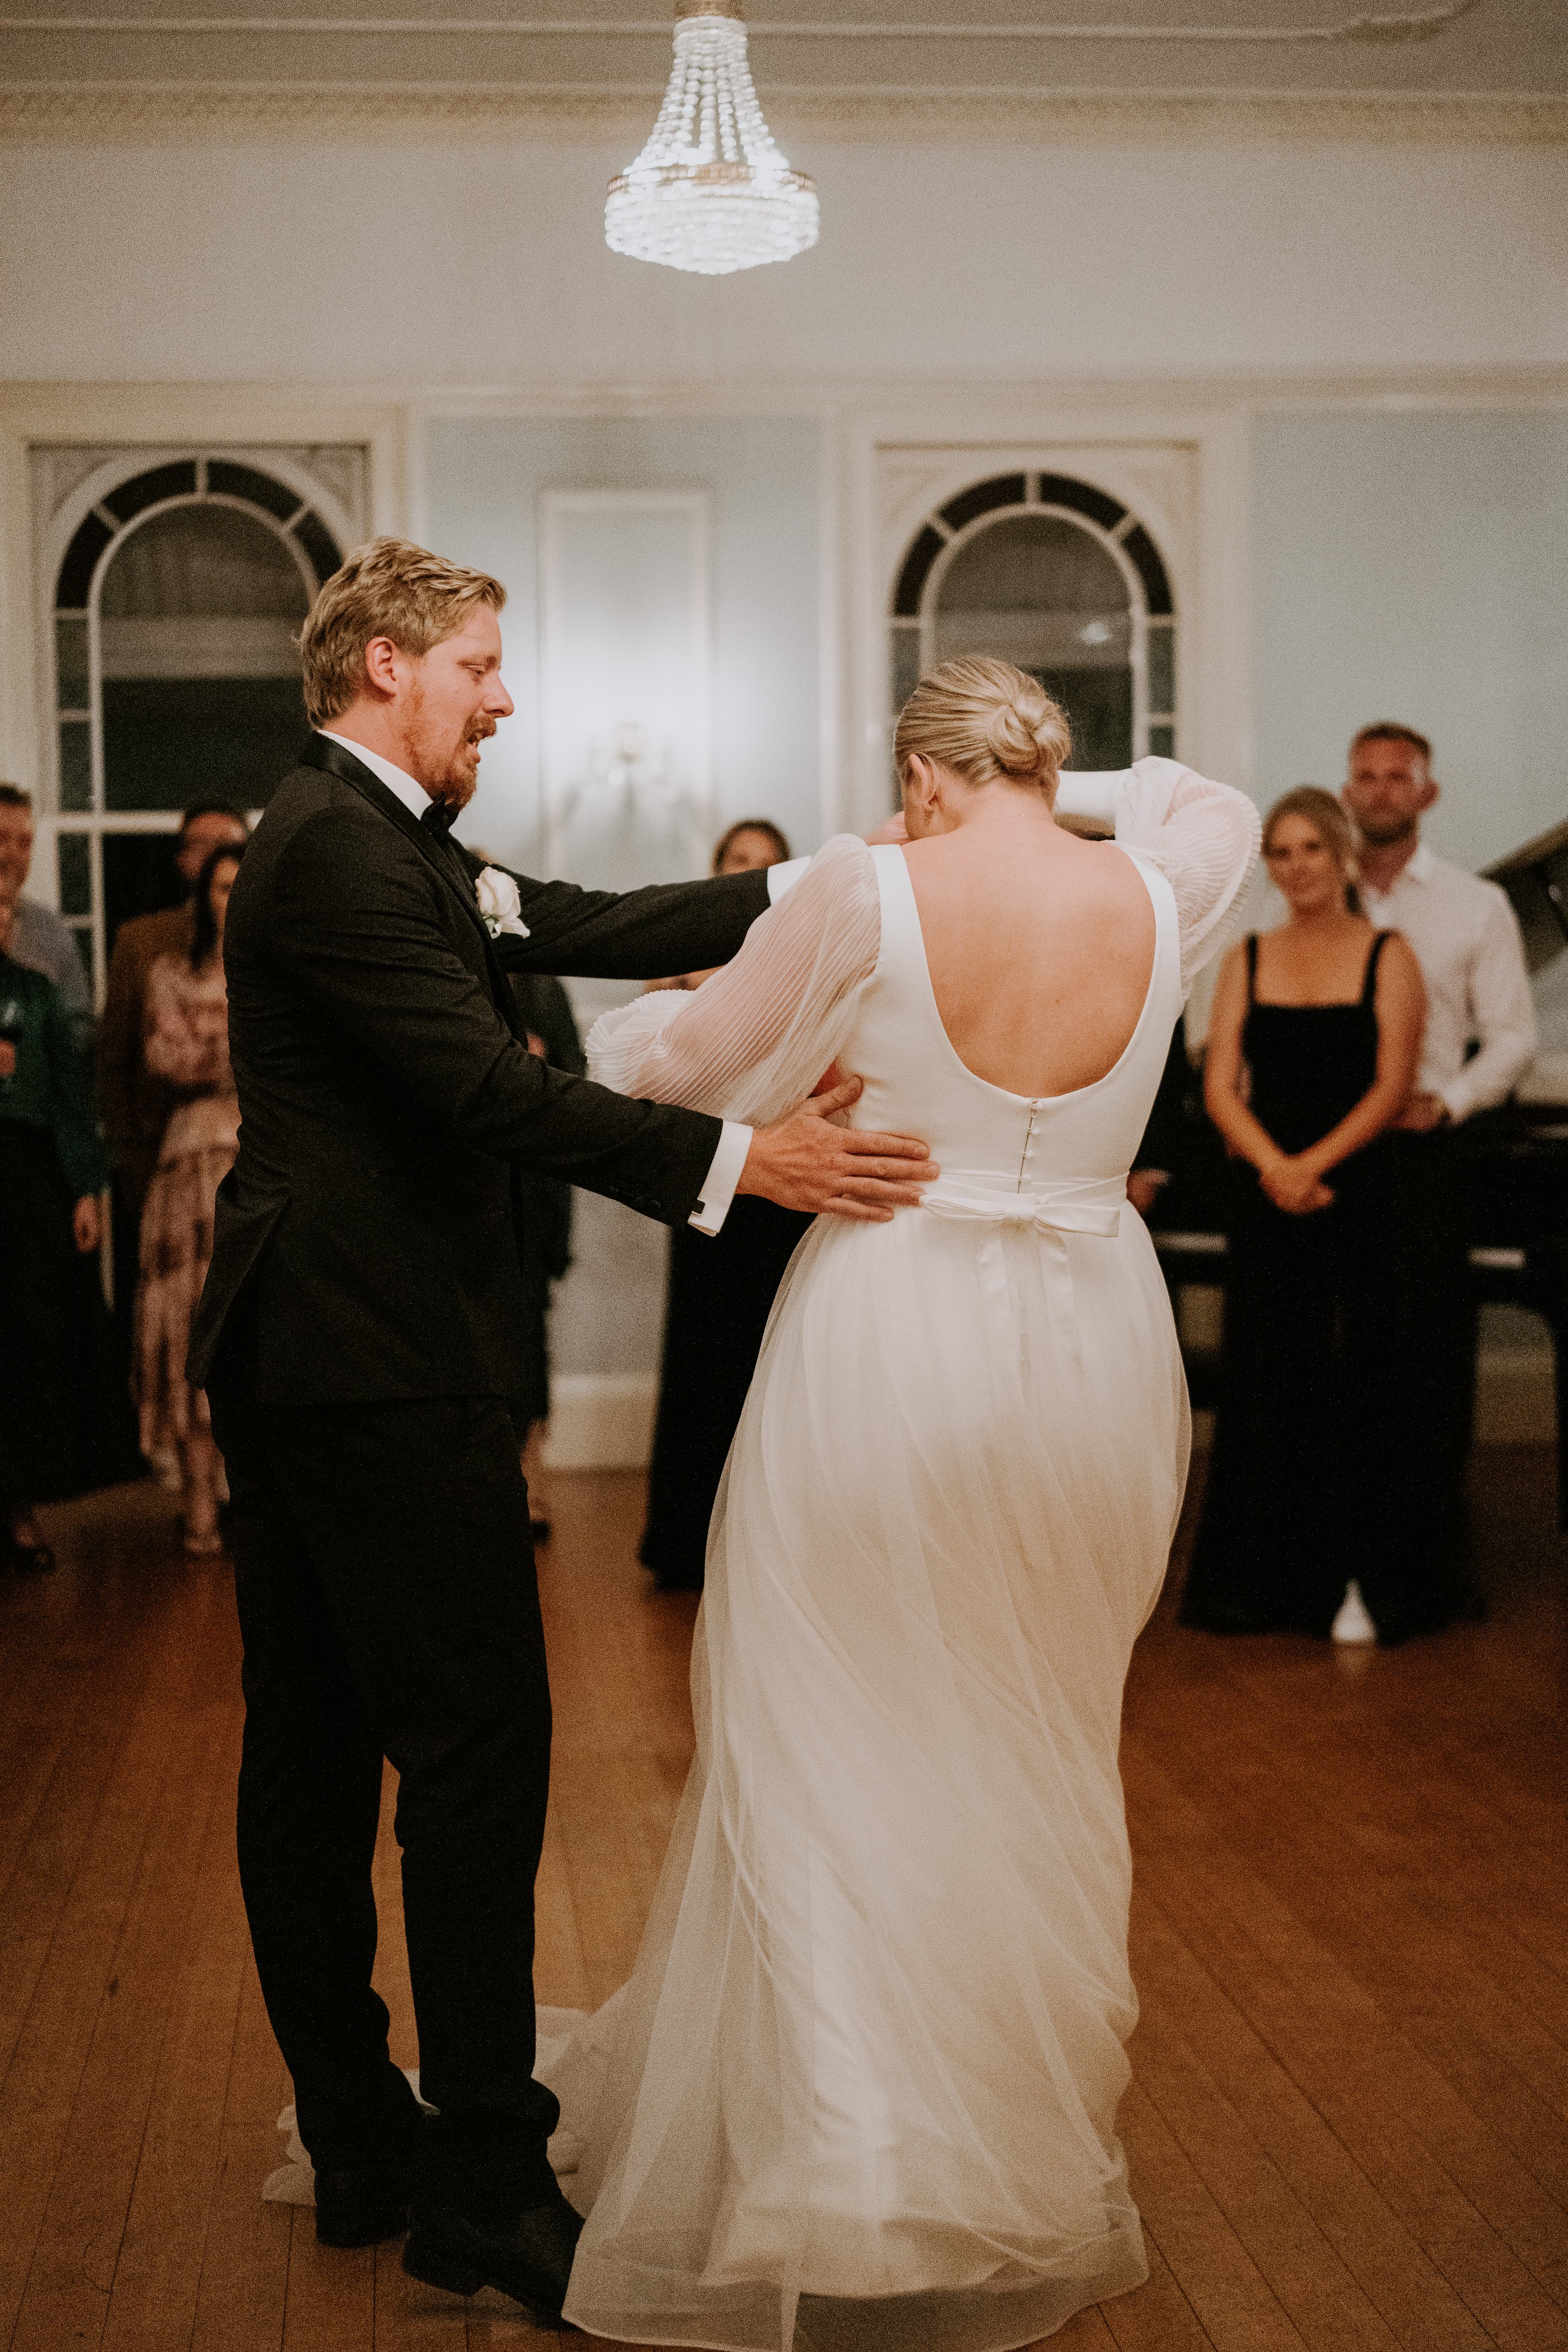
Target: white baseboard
{"x":604,"y":1421}
{"x":601,"y":1421}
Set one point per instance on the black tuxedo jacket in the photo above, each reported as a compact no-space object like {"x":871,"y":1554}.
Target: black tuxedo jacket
{"x":386,"y":1091}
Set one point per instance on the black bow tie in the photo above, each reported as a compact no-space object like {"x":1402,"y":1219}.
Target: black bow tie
{"x":440,"y":816}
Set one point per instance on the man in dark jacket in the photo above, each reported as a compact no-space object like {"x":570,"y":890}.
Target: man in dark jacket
{"x":358,"y":1337}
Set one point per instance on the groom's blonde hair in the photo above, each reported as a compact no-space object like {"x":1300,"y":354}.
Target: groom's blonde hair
{"x":388,"y":588}
{"x":984,"y":720}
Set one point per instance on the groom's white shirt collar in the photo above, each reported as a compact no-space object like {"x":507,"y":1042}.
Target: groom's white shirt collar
{"x":413,"y":796}
{"x":724,"y":1172}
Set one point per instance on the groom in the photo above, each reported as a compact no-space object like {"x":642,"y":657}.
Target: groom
{"x":358,"y":1337}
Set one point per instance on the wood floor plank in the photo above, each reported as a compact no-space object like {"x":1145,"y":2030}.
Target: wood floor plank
{"x":331,"y":2305}
{"x":83,"y":2226}
{"x":1231,"y":2298}
{"x":243,"y":2289}
{"x":157,"y":2278}
{"x":72,"y":2016}
{"x":1157,"y":2318}
{"x":1300,"y":2263}
{"x":1351,"y":2061}
{"x":1393,"y":2269}
{"x":1349,"y":2119}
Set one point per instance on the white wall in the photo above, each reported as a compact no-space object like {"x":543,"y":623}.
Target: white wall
{"x":480,"y":261}
{"x":1416,"y":568}
{"x":1404,"y":564}
{"x":480,"y":503}
{"x":482,"y":477}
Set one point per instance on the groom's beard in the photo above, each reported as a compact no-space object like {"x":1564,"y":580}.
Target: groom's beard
{"x":445,"y":770}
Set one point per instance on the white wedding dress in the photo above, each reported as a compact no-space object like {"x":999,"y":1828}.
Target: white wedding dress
{"x":861,"y":2088}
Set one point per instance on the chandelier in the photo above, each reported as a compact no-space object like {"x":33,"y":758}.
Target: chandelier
{"x":711,"y":191}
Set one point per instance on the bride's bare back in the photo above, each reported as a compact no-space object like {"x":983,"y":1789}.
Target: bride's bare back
{"x":1040,"y":947}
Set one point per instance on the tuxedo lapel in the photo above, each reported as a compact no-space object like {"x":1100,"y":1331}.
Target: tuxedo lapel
{"x":438,"y":850}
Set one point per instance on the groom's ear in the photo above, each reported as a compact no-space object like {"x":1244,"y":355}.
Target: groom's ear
{"x":385,"y":668}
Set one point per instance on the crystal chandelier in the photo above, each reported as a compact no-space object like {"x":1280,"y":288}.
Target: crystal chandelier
{"x":711,"y":191}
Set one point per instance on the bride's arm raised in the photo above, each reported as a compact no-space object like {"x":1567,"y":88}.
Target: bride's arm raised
{"x":755,"y":1038}
{"x":1202,"y":836}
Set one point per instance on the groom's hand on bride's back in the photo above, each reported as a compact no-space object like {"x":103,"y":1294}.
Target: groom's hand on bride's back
{"x":803,"y":1162}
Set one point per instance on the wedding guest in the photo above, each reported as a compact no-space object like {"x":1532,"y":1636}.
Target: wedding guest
{"x":1156,"y":1160}
{"x":1319,"y":1462}
{"x":719,"y":1297}
{"x":185,"y":1043}
{"x":39,"y":939}
{"x":134,"y":1102}
{"x":52,"y":1169}
{"x":1480,"y":1038}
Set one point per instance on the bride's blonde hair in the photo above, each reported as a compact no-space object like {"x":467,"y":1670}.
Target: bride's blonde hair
{"x":985,"y":720}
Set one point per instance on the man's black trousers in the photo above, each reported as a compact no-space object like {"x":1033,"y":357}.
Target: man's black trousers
{"x":389,"y":1607}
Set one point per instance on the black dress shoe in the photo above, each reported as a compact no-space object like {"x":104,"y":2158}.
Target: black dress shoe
{"x":527,"y":2254}
{"x":363,"y":2204}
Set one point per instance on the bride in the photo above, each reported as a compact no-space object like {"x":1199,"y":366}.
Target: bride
{"x":861,"y":2089}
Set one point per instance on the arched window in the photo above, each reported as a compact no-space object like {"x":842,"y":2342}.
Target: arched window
{"x":1060,"y":577}
{"x":176,"y":602}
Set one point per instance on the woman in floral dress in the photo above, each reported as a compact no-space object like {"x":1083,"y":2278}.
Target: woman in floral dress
{"x":185,"y":1040}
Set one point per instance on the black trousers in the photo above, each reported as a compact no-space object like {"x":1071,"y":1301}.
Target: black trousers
{"x":1433,"y":1177}
{"x":721,"y":1293}
{"x":388,"y":1604}
{"x":1345,"y":1405}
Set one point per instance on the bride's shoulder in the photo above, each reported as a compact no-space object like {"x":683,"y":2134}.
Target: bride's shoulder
{"x":843,"y":864}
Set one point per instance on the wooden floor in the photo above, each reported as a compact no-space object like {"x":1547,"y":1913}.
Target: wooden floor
{"x":1349,"y":2122}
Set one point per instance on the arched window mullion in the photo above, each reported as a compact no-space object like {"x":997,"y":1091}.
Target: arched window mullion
{"x":965,"y":515}
{"x":118,"y":506}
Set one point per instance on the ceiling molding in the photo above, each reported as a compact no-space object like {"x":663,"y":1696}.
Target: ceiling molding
{"x":181,"y":111}
{"x":1387,"y":25}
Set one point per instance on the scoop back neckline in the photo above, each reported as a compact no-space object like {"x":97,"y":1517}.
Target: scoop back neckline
{"x":1072,"y":1094}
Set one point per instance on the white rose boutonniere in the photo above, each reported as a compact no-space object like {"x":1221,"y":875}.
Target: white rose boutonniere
{"x":500,"y":904}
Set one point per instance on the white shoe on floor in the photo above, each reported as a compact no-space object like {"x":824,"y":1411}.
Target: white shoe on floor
{"x":1353,"y":1622}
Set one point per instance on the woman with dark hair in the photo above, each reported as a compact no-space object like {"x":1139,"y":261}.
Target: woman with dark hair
{"x":720,"y":1295}
{"x":185,"y":1042}
{"x":52,"y":1170}
{"x":1312,"y":1051}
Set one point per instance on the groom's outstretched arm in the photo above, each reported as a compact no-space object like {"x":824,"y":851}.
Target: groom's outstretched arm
{"x":632,"y":934}
{"x":354,"y":924}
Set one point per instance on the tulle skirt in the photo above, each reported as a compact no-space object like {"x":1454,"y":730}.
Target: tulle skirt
{"x":861,"y":2089}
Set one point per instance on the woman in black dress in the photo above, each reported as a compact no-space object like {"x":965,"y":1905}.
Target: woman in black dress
{"x":720,"y":1295}
{"x":52,"y":1169}
{"x":1314,"y":1047}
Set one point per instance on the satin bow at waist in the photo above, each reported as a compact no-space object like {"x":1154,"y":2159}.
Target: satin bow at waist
{"x":1069,"y":1205}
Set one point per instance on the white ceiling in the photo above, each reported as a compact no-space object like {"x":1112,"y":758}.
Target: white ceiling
{"x":804,"y":48}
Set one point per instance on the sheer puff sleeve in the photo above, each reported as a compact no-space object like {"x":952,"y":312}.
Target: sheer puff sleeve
{"x":755,"y":1038}
{"x":1203,"y":838}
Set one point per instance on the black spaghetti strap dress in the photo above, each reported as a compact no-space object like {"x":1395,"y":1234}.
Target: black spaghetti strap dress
{"x":1317,"y":1465}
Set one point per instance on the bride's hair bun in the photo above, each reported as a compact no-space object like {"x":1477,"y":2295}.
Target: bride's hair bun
{"x":984,"y":720}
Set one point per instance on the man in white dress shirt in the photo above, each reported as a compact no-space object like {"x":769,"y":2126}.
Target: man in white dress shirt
{"x":1480,"y":1038}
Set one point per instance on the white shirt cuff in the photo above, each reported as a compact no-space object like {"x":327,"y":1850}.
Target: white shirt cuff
{"x":785,"y":877}
{"x":723,"y":1175}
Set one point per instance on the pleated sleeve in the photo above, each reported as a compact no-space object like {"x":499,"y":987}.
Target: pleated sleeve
{"x":1202,"y":836}
{"x":755,"y":1038}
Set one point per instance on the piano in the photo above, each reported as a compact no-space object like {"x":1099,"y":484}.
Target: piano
{"x":1519,"y":1238}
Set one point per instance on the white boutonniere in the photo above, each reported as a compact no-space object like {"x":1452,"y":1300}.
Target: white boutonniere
{"x":500,"y":904}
